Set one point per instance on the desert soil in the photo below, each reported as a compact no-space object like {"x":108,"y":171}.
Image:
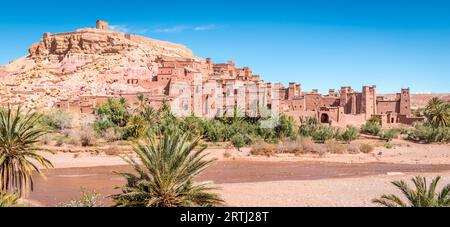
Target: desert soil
{"x":284,"y":180}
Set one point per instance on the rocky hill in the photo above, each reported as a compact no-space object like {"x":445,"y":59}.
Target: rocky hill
{"x":85,"y":62}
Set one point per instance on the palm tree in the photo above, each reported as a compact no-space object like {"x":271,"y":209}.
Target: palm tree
{"x":18,"y":134}
{"x":434,"y":103}
{"x":165,"y":178}
{"x":421,"y":197}
{"x":438,"y":113}
{"x":141,"y":104}
{"x":136,"y":126}
{"x":8,"y":200}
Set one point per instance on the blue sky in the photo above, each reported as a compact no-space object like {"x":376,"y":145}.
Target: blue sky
{"x":321,"y":44}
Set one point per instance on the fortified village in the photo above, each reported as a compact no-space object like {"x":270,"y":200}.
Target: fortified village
{"x":76,"y":71}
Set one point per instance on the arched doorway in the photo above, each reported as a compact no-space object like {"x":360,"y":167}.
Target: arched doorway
{"x":324,"y":119}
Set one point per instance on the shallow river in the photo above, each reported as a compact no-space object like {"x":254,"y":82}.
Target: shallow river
{"x":64,"y":184}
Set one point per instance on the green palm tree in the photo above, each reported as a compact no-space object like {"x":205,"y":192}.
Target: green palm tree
{"x":8,"y":200}
{"x":141,"y":104}
{"x":434,"y":103}
{"x":18,"y":135}
{"x":423,"y":196}
{"x":438,"y":113}
{"x":136,"y":126}
{"x":165,"y":178}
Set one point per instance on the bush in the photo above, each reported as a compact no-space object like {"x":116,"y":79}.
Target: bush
{"x":308,"y":127}
{"x":366,"y":148}
{"x":59,"y":142}
{"x":86,"y":200}
{"x":57,"y":120}
{"x":308,"y":146}
{"x":112,"y":134}
{"x":238,"y":141}
{"x":290,"y":147}
{"x":335,"y":147}
{"x":103,"y":124}
{"x":285,"y":127}
{"x":263,"y":149}
{"x":87,"y":137}
{"x":371,"y":128}
{"x":323,"y":133}
{"x":376,"y":120}
{"x":84,"y":137}
{"x":350,"y":134}
{"x":214,"y":131}
{"x":135,"y":128}
{"x":388,"y":134}
{"x":429,"y":134}
{"x":353,"y":149}
{"x":114,"y":111}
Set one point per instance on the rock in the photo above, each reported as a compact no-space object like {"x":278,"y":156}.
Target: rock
{"x":85,"y":62}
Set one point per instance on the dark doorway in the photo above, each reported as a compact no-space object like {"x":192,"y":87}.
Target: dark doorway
{"x":324,"y":119}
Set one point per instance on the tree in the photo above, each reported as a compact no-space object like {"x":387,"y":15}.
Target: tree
{"x":114,"y":111}
{"x":423,"y":196}
{"x":141,"y":104}
{"x":18,"y":135}
{"x":438,"y":113}
{"x":165,"y":178}
{"x":136,"y":127}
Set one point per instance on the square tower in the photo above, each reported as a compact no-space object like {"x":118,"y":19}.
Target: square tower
{"x":102,"y":25}
{"x":405,"y":102}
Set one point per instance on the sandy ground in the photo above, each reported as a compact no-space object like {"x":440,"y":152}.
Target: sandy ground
{"x":346,"y":192}
{"x":351,"y":191}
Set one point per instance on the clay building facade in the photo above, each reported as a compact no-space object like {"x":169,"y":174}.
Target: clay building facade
{"x":207,"y":89}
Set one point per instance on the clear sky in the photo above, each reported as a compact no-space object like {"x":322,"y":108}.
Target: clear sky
{"x":321,"y":44}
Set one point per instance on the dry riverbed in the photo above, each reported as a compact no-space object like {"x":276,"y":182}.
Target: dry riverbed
{"x":282,"y":180}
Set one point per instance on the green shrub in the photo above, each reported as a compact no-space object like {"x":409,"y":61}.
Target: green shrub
{"x":114,"y":111}
{"x":388,"y":134}
{"x":57,"y":120}
{"x":239,"y":141}
{"x":376,"y":120}
{"x":214,"y":131}
{"x":323,"y":133}
{"x":371,"y":128}
{"x":193,"y":125}
{"x":86,"y":199}
{"x":9,"y":200}
{"x":112,"y":134}
{"x":135,"y":128}
{"x":308,"y":127}
{"x":285,"y":127}
{"x":101,"y":125}
{"x":350,"y":134}
{"x":428,"y":134}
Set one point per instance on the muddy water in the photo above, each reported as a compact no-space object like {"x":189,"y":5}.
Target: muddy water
{"x":64,"y":184}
